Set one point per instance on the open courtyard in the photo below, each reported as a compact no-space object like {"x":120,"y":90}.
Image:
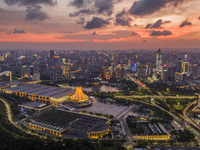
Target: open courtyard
{"x":105,"y":108}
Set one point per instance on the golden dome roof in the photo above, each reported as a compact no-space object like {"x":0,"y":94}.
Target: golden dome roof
{"x":79,"y":95}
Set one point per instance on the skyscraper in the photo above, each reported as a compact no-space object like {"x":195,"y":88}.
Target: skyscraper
{"x":134,"y":67}
{"x":51,"y":54}
{"x":179,"y":66}
{"x":185,"y":66}
{"x":159,"y":56}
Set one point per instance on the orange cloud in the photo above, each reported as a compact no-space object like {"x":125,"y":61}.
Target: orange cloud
{"x":30,"y":37}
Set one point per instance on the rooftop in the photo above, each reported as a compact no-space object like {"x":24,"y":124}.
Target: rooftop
{"x":35,"y":104}
{"x":10,"y":83}
{"x":76,"y":121}
{"x":41,"y":90}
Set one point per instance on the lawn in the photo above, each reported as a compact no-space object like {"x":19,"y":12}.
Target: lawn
{"x":178,"y":104}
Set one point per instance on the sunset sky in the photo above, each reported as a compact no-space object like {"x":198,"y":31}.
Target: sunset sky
{"x":99,"y":24}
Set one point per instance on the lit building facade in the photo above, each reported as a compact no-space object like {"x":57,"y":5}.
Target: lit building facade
{"x":159,"y":60}
{"x":79,"y":96}
{"x":152,"y":137}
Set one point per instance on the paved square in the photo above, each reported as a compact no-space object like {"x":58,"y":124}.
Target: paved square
{"x":105,"y":108}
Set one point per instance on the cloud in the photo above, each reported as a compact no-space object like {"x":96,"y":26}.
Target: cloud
{"x":77,"y":3}
{"x":96,"y":23}
{"x":161,"y":33}
{"x":167,"y":22}
{"x":103,"y":36}
{"x":147,"y":7}
{"x":144,"y":41}
{"x":81,"y":12}
{"x":106,"y":6}
{"x":133,"y":34}
{"x":1,"y":10}
{"x":122,"y":19}
{"x":94,"y":33}
{"x":81,"y":21}
{"x":35,"y":13}
{"x":30,"y":2}
{"x":157,"y":24}
{"x":148,"y":26}
{"x":16,"y":31}
{"x":185,"y":23}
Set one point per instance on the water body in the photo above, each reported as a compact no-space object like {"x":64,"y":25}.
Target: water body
{"x":99,"y":88}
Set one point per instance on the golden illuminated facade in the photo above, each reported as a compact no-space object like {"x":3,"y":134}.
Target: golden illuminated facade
{"x":45,"y":129}
{"x":79,"y":96}
{"x":45,"y":94}
{"x":100,"y":134}
{"x":152,"y":137}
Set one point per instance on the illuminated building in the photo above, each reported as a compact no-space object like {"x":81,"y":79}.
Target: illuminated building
{"x":1,"y":58}
{"x":26,"y":71}
{"x":154,"y":76}
{"x":46,"y":94}
{"x":107,"y":75}
{"x":79,"y":96}
{"x":35,"y":107}
{"x":179,"y":66}
{"x":5,"y":73}
{"x":43,"y":127}
{"x":158,"y":132}
{"x":51,"y":54}
{"x":185,"y":67}
{"x":36,"y":76}
{"x":159,"y":62}
{"x":163,"y":72}
{"x":111,"y":71}
{"x":152,"y":137}
{"x":81,"y":124}
{"x":195,"y":71}
{"x":178,"y":76}
{"x":134,"y":67}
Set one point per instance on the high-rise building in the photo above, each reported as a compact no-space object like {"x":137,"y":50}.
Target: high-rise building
{"x":179,"y":66}
{"x":185,"y":67}
{"x":36,"y":76}
{"x":178,"y":77}
{"x":194,"y":71}
{"x":51,"y":54}
{"x":164,"y":72}
{"x":134,"y":67}
{"x":159,"y":61}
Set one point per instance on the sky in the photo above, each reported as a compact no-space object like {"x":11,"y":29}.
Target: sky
{"x":99,"y":24}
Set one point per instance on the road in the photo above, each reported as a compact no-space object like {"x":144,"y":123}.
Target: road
{"x":158,"y":97}
{"x":9,"y":116}
{"x":179,"y":120}
{"x":187,"y":119}
{"x":122,"y":117}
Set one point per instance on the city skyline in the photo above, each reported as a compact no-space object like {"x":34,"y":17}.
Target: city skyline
{"x":99,"y":24}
